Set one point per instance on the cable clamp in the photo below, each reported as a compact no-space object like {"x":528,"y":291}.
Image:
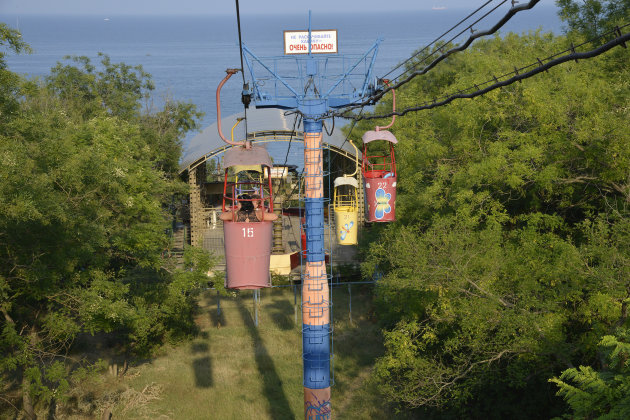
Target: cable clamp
{"x":518,"y":74}
{"x":573,"y":51}
{"x":246,"y":95}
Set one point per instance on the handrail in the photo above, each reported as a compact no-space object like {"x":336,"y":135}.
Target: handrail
{"x":238,"y":121}
{"x":393,"y":110}
{"x":356,"y":159}
{"x":245,"y":143}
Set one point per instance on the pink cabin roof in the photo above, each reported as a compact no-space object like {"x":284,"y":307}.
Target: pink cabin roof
{"x":257,"y":155}
{"x":379,"y":135}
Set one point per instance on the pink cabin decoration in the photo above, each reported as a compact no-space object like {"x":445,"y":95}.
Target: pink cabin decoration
{"x":247,"y":219}
{"x":379,"y":177}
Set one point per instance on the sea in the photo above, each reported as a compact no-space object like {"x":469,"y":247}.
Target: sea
{"x":187,"y":55}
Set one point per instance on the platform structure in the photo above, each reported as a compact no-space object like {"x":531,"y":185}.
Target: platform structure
{"x":313,"y":85}
{"x":204,"y":155}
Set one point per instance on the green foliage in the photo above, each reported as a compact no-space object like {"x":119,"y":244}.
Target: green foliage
{"x":591,"y":18}
{"x":604,"y":394}
{"x":86,"y":186}
{"x":508,"y":261}
{"x":11,"y":39}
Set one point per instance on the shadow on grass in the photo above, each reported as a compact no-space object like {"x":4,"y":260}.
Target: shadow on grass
{"x":202,"y":366}
{"x":279,"y":407}
{"x":357,"y":344}
{"x":281,"y":312}
{"x":217,"y":317}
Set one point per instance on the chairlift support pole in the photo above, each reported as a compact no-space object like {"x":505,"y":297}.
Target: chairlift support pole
{"x":308,"y":99}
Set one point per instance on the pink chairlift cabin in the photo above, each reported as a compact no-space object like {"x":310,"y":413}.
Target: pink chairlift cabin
{"x":247,"y":243}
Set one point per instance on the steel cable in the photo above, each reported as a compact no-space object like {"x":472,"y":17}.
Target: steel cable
{"x":437,"y":39}
{"x":539,"y":67}
{"x":240,"y":46}
{"x":372,"y":99}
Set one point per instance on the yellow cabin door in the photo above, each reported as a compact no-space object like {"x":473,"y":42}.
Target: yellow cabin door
{"x":346,"y":223}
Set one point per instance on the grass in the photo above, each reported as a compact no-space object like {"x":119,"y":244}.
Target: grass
{"x":235,"y":370}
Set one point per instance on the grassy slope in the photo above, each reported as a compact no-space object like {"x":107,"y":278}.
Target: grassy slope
{"x":234,"y":370}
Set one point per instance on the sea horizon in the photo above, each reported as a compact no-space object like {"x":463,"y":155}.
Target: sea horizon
{"x":187,"y":55}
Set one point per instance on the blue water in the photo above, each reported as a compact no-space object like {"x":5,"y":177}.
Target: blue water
{"x":187,"y":56}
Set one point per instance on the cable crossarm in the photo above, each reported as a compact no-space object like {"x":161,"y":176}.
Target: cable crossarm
{"x":539,"y":67}
{"x":437,"y":39}
{"x":513,"y":11}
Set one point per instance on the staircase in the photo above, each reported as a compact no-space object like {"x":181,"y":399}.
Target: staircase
{"x":179,"y":240}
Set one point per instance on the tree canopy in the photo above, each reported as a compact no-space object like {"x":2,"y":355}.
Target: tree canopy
{"x":509,"y":260}
{"x":87,"y":180}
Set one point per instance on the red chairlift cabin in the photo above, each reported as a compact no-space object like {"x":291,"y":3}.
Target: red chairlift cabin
{"x":379,"y":173}
{"x":379,"y":178}
{"x":247,"y":243}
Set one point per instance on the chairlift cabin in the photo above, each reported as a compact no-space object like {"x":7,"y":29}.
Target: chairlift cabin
{"x":247,"y":218}
{"x":247,"y":212}
{"x":346,"y":205}
{"x":379,"y":172}
{"x":379,"y":177}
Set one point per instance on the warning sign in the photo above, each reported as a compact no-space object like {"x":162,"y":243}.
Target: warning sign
{"x":322,"y":42}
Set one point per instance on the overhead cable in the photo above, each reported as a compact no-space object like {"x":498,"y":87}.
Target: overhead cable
{"x":372,"y":99}
{"x":437,"y":39}
{"x":460,"y":48}
{"x":240,"y":46}
{"x":295,"y":123}
{"x":332,"y":160}
{"x":517,"y":75}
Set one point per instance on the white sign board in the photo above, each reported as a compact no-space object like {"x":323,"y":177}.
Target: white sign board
{"x":322,"y":42}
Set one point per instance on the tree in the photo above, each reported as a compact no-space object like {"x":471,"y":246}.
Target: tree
{"x":500,"y":271}
{"x":9,"y":39}
{"x":600,"y":394}
{"x":592,"y":18}
{"x":86,"y":180}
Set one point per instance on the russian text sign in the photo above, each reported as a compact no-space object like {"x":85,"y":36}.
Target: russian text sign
{"x":322,"y":42}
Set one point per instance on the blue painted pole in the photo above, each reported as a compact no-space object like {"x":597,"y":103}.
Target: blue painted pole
{"x":315,"y":290}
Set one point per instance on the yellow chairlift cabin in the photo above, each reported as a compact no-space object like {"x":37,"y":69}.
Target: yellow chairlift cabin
{"x":346,"y":205}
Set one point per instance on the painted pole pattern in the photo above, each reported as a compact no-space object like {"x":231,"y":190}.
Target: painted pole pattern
{"x":315,"y":291}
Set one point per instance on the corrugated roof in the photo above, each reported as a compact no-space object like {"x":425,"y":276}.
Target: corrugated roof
{"x":258,"y":120}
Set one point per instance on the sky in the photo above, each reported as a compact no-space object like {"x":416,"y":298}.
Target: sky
{"x":222,"y":7}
